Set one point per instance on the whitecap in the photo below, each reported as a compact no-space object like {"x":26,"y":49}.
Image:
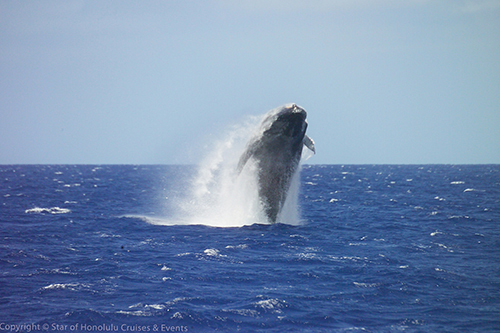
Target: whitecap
{"x":298,"y":236}
{"x":271,"y":304}
{"x":52,"y":210}
{"x":155,"y":306}
{"x":447,"y":248}
{"x":473,"y":190}
{"x":72,"y":185}
{"x":348,"y":258}
{"x":106,"y":235}
{"x":68,"y":286}
{"x":213,"y":253}
{"x":306,"y":256}
{"x":146,"y":306}
{"x":356,"y":244}
{"x":243,"y":312}
{"x":241,"y":246}
{"x":366,"y":285}
{"x":177,"y":315}
{"x":138,"y":313}
{"x":458,"y":217}
{"x":60,"y":285}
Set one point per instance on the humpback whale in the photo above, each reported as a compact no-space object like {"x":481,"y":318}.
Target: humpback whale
{"x":276,"y":151}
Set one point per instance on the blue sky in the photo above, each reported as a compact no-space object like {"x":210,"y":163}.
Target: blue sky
{"x":383,"y":81}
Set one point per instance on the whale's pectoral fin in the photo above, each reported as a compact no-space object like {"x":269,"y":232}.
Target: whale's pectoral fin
{"x":250,"y":150}
{"x":243,"y":160}
{"x":309,"y":143}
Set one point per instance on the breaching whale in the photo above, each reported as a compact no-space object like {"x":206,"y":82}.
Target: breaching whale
{"x":276,"y":151}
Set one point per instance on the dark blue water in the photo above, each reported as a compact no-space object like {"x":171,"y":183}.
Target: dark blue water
{"x":381,"y":249}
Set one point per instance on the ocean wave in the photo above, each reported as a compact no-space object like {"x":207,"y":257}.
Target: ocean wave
{"x":52,"y":210}
{"x":142,"y":310}
{"x":67,"y":286}
{"x":366,"y":285}
{"x":271,"y":304}
{"x":213,"y":253}
{"x":137,"y":313}
{"x":241,"y":246}
{"x":243,"y":312}
{"x":473,"y":190}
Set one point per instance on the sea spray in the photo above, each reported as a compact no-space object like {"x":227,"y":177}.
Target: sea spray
{"x":221,"y":196}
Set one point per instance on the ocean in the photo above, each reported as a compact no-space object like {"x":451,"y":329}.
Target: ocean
{"x":374,"y":248}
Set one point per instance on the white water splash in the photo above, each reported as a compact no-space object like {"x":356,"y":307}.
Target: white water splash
{"x":52,"y":210}
{"x":221,"y":197}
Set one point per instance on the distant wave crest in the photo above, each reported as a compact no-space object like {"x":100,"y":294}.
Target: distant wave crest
{"x":52,"y":210}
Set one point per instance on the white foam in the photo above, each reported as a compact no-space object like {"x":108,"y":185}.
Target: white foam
{"x":241,"y":246}
{"x":473,"y":190}
{"x":155,"y":306}
{"x":68,"y":286}
{"x":219,"y":196}
{"x":138,"y":313}
{"x":60,"y":285}
{"x":52,"y":210}
{"x":271,"y":304}
{"x":213,"y":253}
{"x":366,"y":285}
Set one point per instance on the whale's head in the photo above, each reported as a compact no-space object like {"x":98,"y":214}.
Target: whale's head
{"x":280,"y":139}
{"x":288,"y":121}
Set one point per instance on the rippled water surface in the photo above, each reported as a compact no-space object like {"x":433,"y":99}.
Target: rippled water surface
{"x":381,"y":248}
